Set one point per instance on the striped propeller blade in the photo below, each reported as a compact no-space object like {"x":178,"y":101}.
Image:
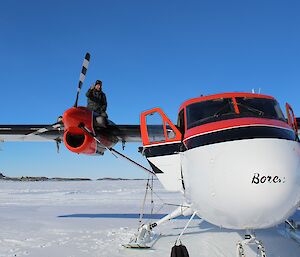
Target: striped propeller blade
{"x":85,"y":66}
{"x":56,"y":126}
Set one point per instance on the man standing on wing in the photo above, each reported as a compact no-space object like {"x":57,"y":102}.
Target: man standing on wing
{"x":97,"y":103}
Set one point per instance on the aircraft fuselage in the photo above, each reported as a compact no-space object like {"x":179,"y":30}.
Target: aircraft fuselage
{"x":237,"y":163}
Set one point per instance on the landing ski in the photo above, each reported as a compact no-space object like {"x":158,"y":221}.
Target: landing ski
{"x":136,"y":244}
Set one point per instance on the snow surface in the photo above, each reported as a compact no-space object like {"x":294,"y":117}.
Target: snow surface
{"x":94,"y":218}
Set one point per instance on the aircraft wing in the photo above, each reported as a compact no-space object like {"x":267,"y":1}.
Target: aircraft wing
{"x":127,"y":133}
{"x":47,"y":133}
{"x":26,"y":133}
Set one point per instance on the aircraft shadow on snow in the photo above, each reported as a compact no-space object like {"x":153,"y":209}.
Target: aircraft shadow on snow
{"x":119,"y":216}
{"x":296,"y":216}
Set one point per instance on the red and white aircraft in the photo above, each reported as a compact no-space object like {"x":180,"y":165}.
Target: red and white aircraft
{"x":234,"y":156}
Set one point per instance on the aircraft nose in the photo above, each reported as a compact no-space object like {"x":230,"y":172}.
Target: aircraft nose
{"x":265,"y":187}
{"x":254,"y":182}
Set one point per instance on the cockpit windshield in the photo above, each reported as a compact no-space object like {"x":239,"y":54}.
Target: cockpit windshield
{"x":223,"y":108}
{"x":261,"y":107}
{"x":208,"y":111}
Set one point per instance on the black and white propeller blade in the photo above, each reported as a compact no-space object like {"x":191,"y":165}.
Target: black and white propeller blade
{"x":85,"y":66}
{"x":56,"y":126}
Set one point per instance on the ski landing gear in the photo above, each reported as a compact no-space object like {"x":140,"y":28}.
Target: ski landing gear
{"x":250,"y":239}
{"x":145,"y":237}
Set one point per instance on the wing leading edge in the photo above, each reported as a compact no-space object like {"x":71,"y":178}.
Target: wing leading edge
{"x":26,"y":133}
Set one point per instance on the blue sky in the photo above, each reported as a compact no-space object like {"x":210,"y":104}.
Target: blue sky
{"x":147,"y":53}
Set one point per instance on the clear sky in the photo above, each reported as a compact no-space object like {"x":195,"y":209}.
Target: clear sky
{"x":147,"y":53}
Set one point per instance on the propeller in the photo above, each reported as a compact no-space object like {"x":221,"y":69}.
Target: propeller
{"x":59,"y":124}
{"x":85,"y":66}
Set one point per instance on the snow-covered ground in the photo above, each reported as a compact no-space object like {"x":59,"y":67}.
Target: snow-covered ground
{"x":94,"y":218}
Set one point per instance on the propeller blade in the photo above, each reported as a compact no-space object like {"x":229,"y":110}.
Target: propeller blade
{"x":56,"y":125}
{"x":85,"y":66}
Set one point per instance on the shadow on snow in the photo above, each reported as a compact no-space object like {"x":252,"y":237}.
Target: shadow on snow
{"x":120,"y":216}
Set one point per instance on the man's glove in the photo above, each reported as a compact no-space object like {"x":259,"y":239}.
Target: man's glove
{"x":92,"y":87}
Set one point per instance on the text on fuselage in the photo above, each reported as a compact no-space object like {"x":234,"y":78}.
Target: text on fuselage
{"x":259,"y":179}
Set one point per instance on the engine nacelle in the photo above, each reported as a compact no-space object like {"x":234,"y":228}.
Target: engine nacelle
{"x":75,"y":139}
{"x":79,"y":142}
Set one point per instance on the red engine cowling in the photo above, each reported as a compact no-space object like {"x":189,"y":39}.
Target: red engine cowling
{"x":75,"y":139}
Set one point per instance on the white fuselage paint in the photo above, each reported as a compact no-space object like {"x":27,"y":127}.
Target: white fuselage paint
{"x":219,"y":183}
{"x":171,"y":167}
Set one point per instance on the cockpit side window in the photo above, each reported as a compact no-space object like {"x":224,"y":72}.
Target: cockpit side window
{"x":259,"y":107}
{"x":209,"y":111}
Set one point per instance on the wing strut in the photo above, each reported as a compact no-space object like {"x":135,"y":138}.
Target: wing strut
{"x":132,"y":161}
{"x":114,"y":152}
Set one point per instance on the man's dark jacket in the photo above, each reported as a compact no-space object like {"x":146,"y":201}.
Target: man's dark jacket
{"x":96,"y":101}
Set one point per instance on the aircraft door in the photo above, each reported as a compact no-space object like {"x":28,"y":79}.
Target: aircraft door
{"x":156,"y":128}
{"x":291,"y":117}
{"x":162,"y":144}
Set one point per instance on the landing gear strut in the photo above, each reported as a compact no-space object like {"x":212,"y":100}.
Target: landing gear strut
{"x":145,"y":237}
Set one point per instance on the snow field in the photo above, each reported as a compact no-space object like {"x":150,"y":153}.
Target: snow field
{"x":94,"y":218}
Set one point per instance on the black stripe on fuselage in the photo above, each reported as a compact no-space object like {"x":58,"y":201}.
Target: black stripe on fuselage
{"x":163,"y":149}
{"x":240,"y":133}
{"x":232,"y":134}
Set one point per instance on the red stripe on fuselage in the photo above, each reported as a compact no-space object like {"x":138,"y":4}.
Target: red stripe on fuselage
{"x":233,"y":123}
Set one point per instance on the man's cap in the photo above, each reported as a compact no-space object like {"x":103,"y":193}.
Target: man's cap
{"x":98,"y":82}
